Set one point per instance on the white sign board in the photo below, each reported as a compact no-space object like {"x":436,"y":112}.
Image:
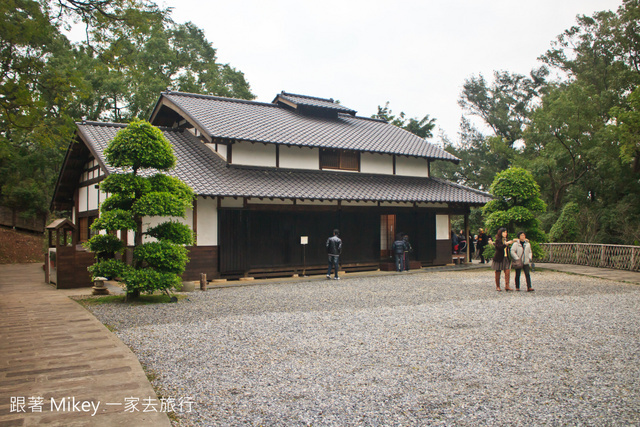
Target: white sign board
{"x":304,"y":240}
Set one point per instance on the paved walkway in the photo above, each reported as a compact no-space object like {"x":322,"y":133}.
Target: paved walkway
{"x":602,"y":273}
{"x":52,"y":348}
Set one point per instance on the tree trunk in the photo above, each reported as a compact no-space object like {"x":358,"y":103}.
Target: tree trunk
{"x":138,"y":238}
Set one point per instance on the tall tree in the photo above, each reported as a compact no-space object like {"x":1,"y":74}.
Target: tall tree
{"x":132,"y":50}
{"x":572,"y":147}
{"x":504,"y":105}
{"x":422,"y":127}
{"x":480,"y":157}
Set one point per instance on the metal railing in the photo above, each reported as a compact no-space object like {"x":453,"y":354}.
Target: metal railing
{"x":593,"y":255}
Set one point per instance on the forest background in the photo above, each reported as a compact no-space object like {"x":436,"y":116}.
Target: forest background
{"x":574,"y":123}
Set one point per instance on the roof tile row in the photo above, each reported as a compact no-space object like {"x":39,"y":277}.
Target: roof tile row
{"x":270,"y":123}
{"x":209,"y":175}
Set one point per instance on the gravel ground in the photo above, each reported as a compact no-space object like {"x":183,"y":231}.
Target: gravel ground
{"x":439,"y":348}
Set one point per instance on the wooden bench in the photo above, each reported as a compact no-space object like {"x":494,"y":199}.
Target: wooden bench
{"x":458,"y":258}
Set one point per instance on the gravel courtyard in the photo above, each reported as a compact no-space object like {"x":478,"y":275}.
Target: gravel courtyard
{"x":438,"y":348}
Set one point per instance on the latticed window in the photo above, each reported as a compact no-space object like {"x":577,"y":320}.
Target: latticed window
{"x":339,"y":159}
{"x":84,"y":226}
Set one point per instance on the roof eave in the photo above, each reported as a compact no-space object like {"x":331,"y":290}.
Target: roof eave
{"x":163,"y":101}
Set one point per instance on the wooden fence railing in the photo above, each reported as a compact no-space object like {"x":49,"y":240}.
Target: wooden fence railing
{"x":13,"y":218}
{"x":593,"y":255}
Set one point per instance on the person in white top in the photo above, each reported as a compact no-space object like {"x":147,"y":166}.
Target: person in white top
{"x":521,"y":258}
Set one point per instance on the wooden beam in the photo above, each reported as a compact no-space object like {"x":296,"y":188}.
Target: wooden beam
{"x":194,"y":219}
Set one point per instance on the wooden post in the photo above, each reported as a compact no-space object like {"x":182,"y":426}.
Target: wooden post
{"x":203,"y":282}
{"x":194,"y":223}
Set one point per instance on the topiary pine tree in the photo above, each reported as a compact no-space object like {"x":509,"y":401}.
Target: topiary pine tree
{"x":139,"y":191}
{"x":516,"y":203}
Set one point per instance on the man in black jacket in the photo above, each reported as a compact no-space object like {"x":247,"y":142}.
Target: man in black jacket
{"x":398,"y":251}
{"x":334,"y":248}
{"x":483,"y":241}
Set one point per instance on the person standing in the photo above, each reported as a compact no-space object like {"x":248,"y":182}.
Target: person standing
{"x":398,"y":251}
{"x":473,"y":245}
{"x":521,"y":251}
{"x":501,"y":258}
{"x":407,"y":250}
{"x":483,"y":241}
{"x":454,"y":242}
{"x":334,"y":249}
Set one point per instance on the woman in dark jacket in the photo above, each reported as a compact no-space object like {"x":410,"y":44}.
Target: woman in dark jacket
{"x":501,"y":258}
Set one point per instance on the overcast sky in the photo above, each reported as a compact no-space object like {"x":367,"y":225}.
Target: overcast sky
{"x":414,"y":54}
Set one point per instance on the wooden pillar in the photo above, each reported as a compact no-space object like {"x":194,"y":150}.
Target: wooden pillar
{"x":194,"y":225}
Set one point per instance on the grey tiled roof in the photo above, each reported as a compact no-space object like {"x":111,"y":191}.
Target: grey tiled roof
{"x":271,"y":123}
{"x":311,"y":101}
{"x":209,"y":175}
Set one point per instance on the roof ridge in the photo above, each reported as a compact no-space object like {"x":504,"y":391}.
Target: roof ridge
{"x":373,"y":119}
{"x":309,"y":97}
{"x":105,"y":124}
{"x":124,"y":125}
{"x":217,"y":98}
{"x":465,"y":187}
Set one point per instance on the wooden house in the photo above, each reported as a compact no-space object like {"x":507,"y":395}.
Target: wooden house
{"x":269,"y":176}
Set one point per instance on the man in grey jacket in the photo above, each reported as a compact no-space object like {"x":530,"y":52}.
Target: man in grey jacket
{"x":334,"y":248}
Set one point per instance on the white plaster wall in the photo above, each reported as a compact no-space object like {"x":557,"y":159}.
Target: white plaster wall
{"x":359,"y":203}
{"x":230,"y":202}
{"x":298,"y":157}
{"x":256,"y":201}
{"x":412,"y":166}
{"x":442,"y":227}
{"x":376,"y":163}
{"x":93,"y":197}
{"x":317,"y":202}
{"x":148,"y":222}
{"x":207,"y":222}
{"x":83,"y":199}
{"x":432,"y":205}
{"x":246,"y":153}
{"x":397,"y":204}
{"x":222,"y":150}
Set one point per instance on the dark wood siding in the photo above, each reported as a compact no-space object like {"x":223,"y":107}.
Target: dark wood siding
{"x":202,"y":259}
{"x":72,"y":267}
{"x":421,"y":227}
{"x":269,"y":238}
{"x":443,"y":252}
{"x":360,"y":233}
{"x":233,"y":242}
{"x":274,"y":239}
